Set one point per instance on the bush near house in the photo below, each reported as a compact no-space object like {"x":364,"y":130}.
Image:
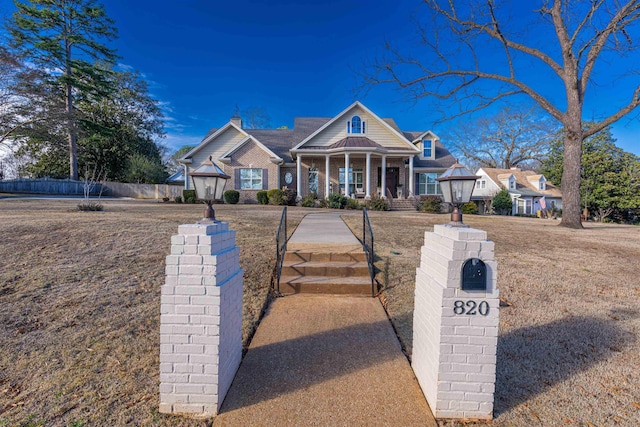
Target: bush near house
{"x":429,"y":204}
{"x":377,"y":203}
{"x":309,"y":201}
{"x":336,"y":201}
{"x":290,"y":197}
{"x":469,"y":208}
{"x":263,"y":197}
{"x":276,"y":197}
{"x":501,"y":203}
{"x":353,"y":204}
{"x":232,"y":196}
{"x":189,"y":196}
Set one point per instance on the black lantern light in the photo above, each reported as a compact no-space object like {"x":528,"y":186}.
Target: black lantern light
{"x":457,"y":184}
{"x":209,"y":182}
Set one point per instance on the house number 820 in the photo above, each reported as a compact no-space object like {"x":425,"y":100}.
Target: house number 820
{"x":471,"y":308}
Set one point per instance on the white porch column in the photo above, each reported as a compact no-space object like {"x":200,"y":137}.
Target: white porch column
{"x":346,"y":175}
{"x":383,"y":178}
{"x":367,"y":194}
{"x":327,"y":172}
{"x":299,"y":175}
{"x":412,"y":179}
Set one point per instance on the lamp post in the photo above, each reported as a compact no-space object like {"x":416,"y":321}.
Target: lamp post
{"x":209,"y":182}
{"x":457,"y":184}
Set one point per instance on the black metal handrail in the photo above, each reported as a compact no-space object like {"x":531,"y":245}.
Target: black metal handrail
{"x":281,"y":246}
{"x":367,"y":246}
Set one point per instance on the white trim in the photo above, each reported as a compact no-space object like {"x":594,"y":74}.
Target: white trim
{"x":273,"y":155}
{"x":210,"y":138}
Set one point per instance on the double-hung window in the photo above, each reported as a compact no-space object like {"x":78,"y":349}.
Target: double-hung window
{"x":427,"y":148}
{"x":428,"y":184}
{"x":251,"y":179}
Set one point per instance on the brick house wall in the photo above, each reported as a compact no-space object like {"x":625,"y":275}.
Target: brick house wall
{"x":250,"y":155}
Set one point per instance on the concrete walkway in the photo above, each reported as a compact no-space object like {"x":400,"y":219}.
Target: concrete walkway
{"x":324,"y":360}
{"x":323,"y":231}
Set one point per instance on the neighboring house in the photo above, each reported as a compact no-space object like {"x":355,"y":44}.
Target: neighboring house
{"x":530,"y":192}
{"x":376,"y":155}
{"x":176,"y":178}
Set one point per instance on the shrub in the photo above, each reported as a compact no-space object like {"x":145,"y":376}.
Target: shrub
{"x":276,"y":197}
{"x":323,"y":203}
{"x":178,"y":199}
{"x":309,"y":201}
{"x":165,"y":199}
{"x":469,"y":208}
{"x":189,"y":196}
{"x":502,"y":203}
{"x":290,"y":197}
{"x":90,"y":207}
{"x":263,"y":197}
{"x":232,"y":196}
{"x":430,"y":204}
{"x":353,"y":204}
{"x":336,"y":201}
{"x":377,"y":203}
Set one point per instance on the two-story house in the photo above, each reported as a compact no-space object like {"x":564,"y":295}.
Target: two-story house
{"x":355,"y":153}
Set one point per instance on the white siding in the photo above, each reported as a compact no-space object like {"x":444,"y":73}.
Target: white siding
{"x":490,"y":189}
{"x":375,"y":131}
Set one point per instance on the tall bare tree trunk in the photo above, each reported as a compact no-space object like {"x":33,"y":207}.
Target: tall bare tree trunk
{"x":571,"y":178}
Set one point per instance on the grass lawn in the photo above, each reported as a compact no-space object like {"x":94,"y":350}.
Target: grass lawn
{"x":80,"y":304}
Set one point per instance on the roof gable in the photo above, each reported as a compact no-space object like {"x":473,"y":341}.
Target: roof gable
{"x":211,"y":137}
{"x":357,"y":108}
{"x":246,"y":140}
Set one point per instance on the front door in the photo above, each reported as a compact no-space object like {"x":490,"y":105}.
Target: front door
{"x":393,"y":176}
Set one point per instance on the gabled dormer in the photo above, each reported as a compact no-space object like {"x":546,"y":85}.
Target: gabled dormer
{"x":508,"y":180}
{"x":539,"y":182}
{"x":427,"y":145}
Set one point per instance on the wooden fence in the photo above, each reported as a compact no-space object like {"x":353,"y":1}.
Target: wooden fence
{"x":67,"y":187}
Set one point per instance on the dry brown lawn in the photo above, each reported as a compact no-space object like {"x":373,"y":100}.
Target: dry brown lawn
{"x":80,"y":292}
{"x":568,"y":349}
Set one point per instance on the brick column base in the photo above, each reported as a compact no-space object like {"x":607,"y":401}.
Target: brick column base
{"x":201,"y":320}
{"x":455,"y":332}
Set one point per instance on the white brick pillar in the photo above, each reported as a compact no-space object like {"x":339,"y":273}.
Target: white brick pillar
{"x":201,"y":319}
{"x":455,"y":332}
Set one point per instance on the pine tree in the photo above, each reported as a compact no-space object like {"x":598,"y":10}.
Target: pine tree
{"x":64,"y":37}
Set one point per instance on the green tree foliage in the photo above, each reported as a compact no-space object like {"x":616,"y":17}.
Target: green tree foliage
{"x":65,"y":36}
{"x":143,"y":170}
{"x":110,"y":130}
{"x":610,"y":177}
{"x":502,"y":203}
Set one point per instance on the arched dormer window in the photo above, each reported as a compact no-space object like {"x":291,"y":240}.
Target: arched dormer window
{"x":356,"y":125}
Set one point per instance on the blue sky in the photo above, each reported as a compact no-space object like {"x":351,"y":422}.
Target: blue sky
{"x":291,"y":58}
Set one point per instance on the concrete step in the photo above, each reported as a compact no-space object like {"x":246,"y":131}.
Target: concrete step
{"x":307,"y":256}
{"x":325,"y":268}
{"x":325,"y":285}
{"x":402,"y":205}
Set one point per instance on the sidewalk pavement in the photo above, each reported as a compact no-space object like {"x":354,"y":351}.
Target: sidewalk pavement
{"x":323,"y":231}
{"x":319,"y":360}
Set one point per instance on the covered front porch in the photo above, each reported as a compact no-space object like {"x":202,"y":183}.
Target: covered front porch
{"x":356,"y":168}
